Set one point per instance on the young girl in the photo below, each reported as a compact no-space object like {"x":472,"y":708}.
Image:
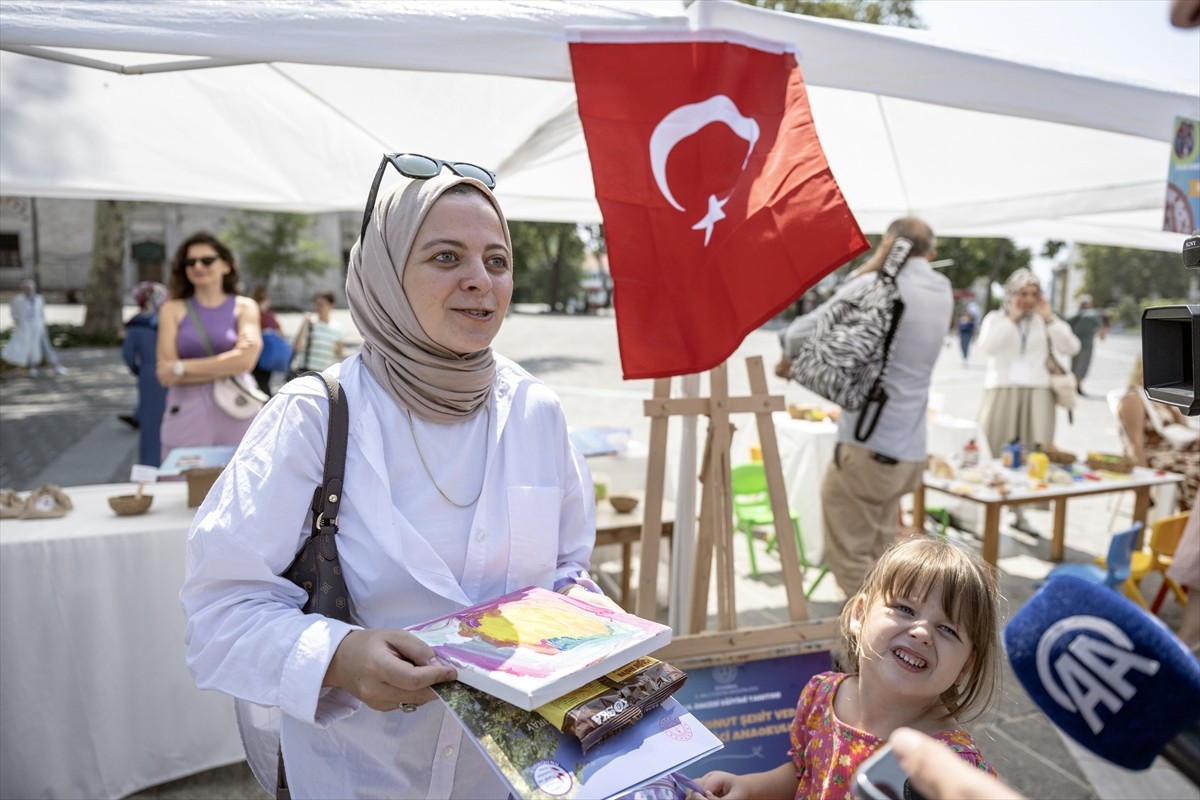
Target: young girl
{"x":921,"y":644}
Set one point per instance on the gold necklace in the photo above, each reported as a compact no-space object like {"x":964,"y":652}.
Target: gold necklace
{"x":412,"y":429}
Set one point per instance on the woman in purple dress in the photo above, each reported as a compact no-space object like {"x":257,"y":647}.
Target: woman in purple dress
{"x":205,"y":332}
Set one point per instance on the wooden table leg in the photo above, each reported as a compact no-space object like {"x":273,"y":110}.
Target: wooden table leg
{"x":1058,"y":542}
{"x":991,"y":533}
{"x":626,"y":569}
{"x":1141,"y":507}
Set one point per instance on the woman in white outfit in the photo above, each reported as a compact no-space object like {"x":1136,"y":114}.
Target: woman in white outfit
{"x":461,"y":485}
{"x":1018,"y":402}
{"x":29,"y":344}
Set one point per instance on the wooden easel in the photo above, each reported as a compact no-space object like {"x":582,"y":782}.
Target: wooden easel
{"x":715,"y":533}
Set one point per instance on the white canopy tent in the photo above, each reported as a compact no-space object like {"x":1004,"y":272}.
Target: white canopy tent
{"x":298,"y":100}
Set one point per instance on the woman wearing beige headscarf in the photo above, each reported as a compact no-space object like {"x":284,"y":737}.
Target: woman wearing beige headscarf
{"x":1018,"y":402}
{"x":461,"y":485}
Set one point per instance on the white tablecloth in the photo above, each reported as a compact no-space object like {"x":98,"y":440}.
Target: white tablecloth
{"x":95,"y":699}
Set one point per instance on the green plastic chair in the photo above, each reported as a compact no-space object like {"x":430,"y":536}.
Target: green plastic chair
{"x":940,"y":516}
{"x":752,"y":509}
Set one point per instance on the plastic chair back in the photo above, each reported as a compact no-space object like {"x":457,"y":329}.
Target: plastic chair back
{"x":1120,"y":556}
{"x":750,"y":478}
{"x":1165,"y":533}
{"x":1117,"y":565}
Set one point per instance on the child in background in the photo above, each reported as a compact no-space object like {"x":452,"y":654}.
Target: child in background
{"x":922,"y":639}
{"x":319,"y":344}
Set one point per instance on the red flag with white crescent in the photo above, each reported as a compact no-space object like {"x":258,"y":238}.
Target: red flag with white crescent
{"x":719,"y":206}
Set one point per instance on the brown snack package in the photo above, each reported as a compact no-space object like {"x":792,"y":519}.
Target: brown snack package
{"x":609,"y":704}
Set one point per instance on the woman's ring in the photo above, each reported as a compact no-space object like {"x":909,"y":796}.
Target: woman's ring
{"x":407,"y":707}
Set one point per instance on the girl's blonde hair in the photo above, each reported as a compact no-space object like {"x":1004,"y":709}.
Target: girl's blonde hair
{"x":970,"y":596}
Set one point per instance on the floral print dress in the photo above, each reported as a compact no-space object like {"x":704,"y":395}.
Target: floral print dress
{"x":826,"y":751}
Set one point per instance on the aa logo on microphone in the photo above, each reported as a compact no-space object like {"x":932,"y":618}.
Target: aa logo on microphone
{"x":1091,"y":670}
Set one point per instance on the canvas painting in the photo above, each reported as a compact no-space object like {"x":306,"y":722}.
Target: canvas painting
{"x":534,"y":645}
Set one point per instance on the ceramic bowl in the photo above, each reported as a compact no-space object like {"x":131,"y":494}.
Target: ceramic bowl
{"x":623,"y":502}
{"x":126,"y":505}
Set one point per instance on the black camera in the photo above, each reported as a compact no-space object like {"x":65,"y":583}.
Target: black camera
{"x":1171,"y":345}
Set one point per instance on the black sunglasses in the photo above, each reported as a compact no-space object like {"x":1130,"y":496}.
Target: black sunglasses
{"x":414,"y":165}
{"x":207,"y":261}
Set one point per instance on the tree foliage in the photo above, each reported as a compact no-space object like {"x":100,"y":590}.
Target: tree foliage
{"x":994,"y":259}
{"x":546,"y":261}
{"x":877,"y":12}
{"x":274,"y":243}
{"x":1113,"y":273}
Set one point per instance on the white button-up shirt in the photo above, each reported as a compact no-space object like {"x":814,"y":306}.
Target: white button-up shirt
{"x":534,"y":524}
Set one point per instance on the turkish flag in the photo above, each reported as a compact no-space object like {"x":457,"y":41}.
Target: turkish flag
{"x":719,"y":206}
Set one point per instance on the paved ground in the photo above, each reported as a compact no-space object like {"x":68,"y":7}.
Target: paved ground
{"x":63,"y":429}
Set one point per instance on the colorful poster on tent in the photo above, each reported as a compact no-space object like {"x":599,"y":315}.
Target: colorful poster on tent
{"x":1182,"y":211}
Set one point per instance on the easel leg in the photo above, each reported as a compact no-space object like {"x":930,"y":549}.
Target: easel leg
{"x":722,"y":506}
{"x":789,"y":555}
{"x":656,"y":466}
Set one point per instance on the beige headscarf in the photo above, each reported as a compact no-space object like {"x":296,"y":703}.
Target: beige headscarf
{"x":436,"y":384}
{"x":1016,"y":282}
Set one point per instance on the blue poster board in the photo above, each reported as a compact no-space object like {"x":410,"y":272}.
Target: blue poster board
{"x":750,"y":708}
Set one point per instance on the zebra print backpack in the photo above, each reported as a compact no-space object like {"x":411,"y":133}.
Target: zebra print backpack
{"x":847,"y":355}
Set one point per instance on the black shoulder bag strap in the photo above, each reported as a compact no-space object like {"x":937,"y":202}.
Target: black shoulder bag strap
{"x":877,"y":398}
{"x":316,"y":568}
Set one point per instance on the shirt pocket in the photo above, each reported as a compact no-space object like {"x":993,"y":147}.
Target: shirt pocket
{"x":533,"y":513}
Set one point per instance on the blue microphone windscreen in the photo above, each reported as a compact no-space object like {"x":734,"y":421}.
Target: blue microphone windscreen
{"x":1106,"y":672}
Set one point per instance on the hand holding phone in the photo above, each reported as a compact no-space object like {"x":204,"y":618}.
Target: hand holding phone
{"x":881,"y":778}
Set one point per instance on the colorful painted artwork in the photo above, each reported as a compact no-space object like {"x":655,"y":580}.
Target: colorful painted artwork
{"x":534,"y":645}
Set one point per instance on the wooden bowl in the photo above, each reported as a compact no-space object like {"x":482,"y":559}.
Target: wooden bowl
{"x":127,"y":505}
{"x":623,"y":503}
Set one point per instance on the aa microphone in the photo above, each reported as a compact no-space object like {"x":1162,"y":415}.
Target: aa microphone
{"x":1108,"y":674}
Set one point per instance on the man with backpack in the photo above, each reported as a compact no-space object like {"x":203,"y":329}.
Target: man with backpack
{"x":894,"y":311}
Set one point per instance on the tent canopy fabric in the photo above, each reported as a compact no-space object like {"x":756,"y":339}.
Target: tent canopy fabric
{"x":979,"y":144}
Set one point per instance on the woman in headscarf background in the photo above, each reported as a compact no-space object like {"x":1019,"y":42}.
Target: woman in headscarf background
{"x":138,"y":350}
{"x":1018,"y":402}
{"x":461,"y":485}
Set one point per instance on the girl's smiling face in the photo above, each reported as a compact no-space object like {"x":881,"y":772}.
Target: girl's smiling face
{"x":910,"y":644}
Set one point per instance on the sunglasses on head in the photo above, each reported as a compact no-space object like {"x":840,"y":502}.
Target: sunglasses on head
{"x":207,"y":261}
{"x":422,"y":168}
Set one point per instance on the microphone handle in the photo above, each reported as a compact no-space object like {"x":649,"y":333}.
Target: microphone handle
{"x":1183,"y":753}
